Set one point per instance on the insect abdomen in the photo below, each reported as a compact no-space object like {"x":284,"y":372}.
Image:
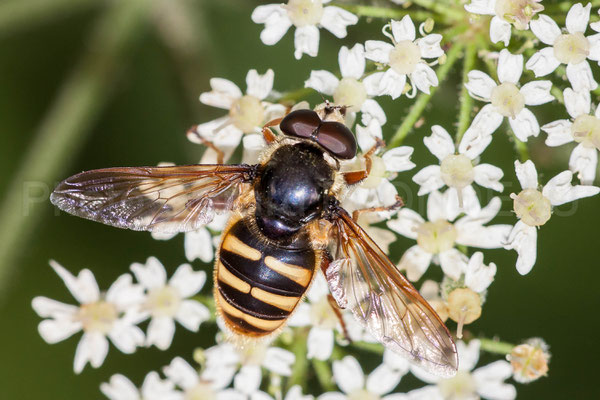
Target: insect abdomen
{"x":257,"y":283}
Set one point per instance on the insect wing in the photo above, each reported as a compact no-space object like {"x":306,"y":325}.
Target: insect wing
{"x":363,"y":279}
{"x":158,"y":199}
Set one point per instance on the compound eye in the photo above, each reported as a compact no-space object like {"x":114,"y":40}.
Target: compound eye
{"x":336,"y":138}
{"x":300,"y":123}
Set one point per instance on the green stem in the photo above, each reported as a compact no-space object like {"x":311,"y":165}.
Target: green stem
{"x":521,"y":148}
{"x":300,"y":369}
{"x":496,"y":346}
{"x":66,"y":125}
{"x":20,"y":15}
{"x":556,"y":92}
{"x":466,"y":101}
{"x":324,"y":375}
{"x":442,"y":8}
{"x":295,"y":95}
{"x":424,"y":98}
{"x":370,"y":347}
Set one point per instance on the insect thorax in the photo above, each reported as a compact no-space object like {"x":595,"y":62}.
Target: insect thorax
{"x":291,"y":188}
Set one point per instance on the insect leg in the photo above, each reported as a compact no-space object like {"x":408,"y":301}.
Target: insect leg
{"x":195,"y":137}
{"x":399,"y":203}
{"x":354,"y":177}
{"x":268,"y":133}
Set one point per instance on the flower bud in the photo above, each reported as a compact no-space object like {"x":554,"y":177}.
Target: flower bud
{"x":529,"y":360}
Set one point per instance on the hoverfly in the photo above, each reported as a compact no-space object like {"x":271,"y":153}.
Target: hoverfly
{"x":286,"y":223}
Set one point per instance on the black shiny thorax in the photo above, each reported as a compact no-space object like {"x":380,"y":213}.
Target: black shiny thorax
{"x":291,"y":188}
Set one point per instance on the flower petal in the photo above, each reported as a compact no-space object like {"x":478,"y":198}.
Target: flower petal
{"x":279,"y":361}
{"x":259,"y":86}
{"x":484,"y":7}
{"x":453,"y":263}
{"x":92,"y":347}
{"x":150,"y":275}
{"x":254,"y":144}
{"x":125,"y":336}
{"x":580,"y":76}
{"x":559,"y":189}
{"x":160,"y":332}
{"x":336,"y":20}
{"x":398,"y":159}
{"x":474,"y":142}
{"x":322,"y":81}
{"x":510,"y":67}
{"x":489,"y":176}
{"x":348,"y":374}
{"x":223,"y":93}
{"x":577,"y":103}
{"x":181,"y":373}
{"x":440,"y":144}
{"x":197,"y":244}
{"x":527,"y":174}
{"x":524,"y":125}
{"x":537,"y":92}
{"x":119,"y":388}
{"x":480,"y":84}
{"x":545,"y":29}
{"x":378,"y":51}
{"x":306,"y":41}
{"x":191,"y":314}
{"x":84,"y":287}
{"x":479,"y":276}
{"x":500,"y":30}
{"x":395,"y":361}
{"x":559,"y":132}
{"x":430,"y":46}
{"x":124,"y":294}
{"x":276,"y":21}
{"x":403,"y":29}
{"x":490,"y":381}
{"x":248,"y":379}
{"x":57,"y":330}
{"x":415,"y":262}
{"x":187,"y":281}
{"x":387,"y":83}
{"x":486,"y":121}
{"x":383,"y":380}
{"x":543,"y":62}
{"x":468,"y":354}
{"x":578,"y":18}
{"x":406,"y":223}
{"x":424,"y":77}
{"x":584,"y":161}
{"x":45,"y":307}
{"x":523,"y":239}
{"x":429,"y":178}
{"x":352,"y":61}
{"x":372,"y":111}
{"x":320,"y":343}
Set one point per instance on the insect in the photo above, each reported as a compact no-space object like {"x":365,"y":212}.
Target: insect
{"x":286,"y":223}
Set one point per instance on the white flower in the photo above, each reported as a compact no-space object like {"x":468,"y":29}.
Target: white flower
{"x":478,"y":276}
{"x":113,"y":315}
{"x":350,"y":378}
{"x":195,"y":387}
{"x":534,"y":208}
{"x":166,"y":301}
{"x":350,"y":90}
{"x":506,"y":13}
{"x":295,"y":393}
{"x":572,"y":48}
{"x":404,"y":56}
{"x":376,"y":190}
{"x":583,"y":129}
{"x":307,"y":16}
{"x":507,"y":99}
{"x":153,"y":388}
{"x":247,"y":113}
{"x":437,"y":237}
{"x":317,"y":313}
{"x":457,"y":169}
{"x":225,"y":359}
{"x":485,"y":382}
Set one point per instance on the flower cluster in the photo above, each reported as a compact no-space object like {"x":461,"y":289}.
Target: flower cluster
{"x":457,"y":225}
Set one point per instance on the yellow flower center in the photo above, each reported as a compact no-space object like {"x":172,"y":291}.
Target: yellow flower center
{"x":528,"y":362}
{"x":252,"y":353}
{"x":404,"y":57}
{"x":163,"y":302}
{"x":98,"y":316}
{"x":464,"y":307}
{"x":571,"y":48}
{"x":350,"y":93}
{"x":247,"y":113}
{"x":586,"y":130}
{"x":517,"y":12}
{"x":532,"y":207}
{"x":507,"y":99}
{"x":305,"y":12}
{"x":460,"y":387}
{"x":436,"y":237}
{"x":457,"y":171}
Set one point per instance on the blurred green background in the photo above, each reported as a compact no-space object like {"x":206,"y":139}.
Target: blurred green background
{"x":124,"y":77}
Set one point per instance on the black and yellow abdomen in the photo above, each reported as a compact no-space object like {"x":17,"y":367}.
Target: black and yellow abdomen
{"x":259,"y":282}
